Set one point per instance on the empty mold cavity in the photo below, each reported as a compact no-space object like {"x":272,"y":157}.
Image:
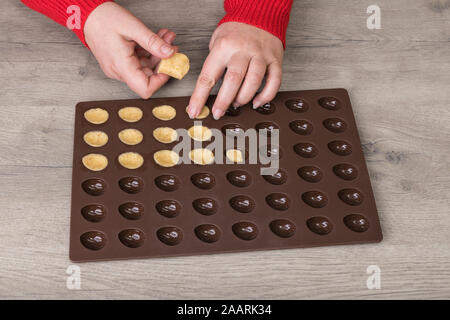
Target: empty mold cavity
{"x":167,"y":182}
{"x":356,"y":222}
{"x":310,"y":173}
{"x":335,"y":125}
{"x":297,"y":105}
{"x":132,"y":238}
{"x":131,"y":210}
{"x":345,"y":171}
{"x":283,"y":228}
{"x":93,"y":240}
{"x":278,"y":201}
{"x":239,"y":178}
{"x":94,"y":187}
{"x":306,"y":150}
{"x":205,"y":206}
{"x":131,"y":185}
{"x":340,"y":147}
{"x":170,"y":235}
{"x":208,"y":233}
{"x":94,"y":212}
{"x":245,"y":230}
{"x":351,"y":196}
{"x":315,"y":199}
{"x":203,"y":180}
{"x":330,"y":103}
{"x":168,"y":208}
{"x":320,"y":225}
{"x":242,"y":203}
{"x":301,"y":127}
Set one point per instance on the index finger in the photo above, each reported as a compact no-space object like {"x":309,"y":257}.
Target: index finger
{"x":212,"y":70}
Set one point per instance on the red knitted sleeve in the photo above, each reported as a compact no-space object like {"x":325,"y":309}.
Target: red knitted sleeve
{"x":269,"y":15}
{"x":69,"y":13}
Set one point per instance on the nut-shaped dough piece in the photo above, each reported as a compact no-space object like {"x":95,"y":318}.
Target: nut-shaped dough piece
{"x":200,"y":133}
{"x":176,"y":66}
{"x":96,"y":115}
{"x":131,"y":160}
{"x":131,"y":136}
{"x":164,"y":112}
{"x":235,"y":155}
{"x":201,"y":156}
{"x":95,"y":138}
{"x":130,"y":114}
{"x":165,"y":134}
{"x":95,"y":161}
{"x":203,"y":113}
{"x":166,"y":158}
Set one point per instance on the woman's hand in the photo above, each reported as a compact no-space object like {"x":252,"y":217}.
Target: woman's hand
{"x":248,"y":54}
{"x":126,"y":49}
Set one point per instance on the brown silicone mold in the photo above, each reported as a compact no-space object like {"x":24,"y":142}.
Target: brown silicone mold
{"x":320,"y":196}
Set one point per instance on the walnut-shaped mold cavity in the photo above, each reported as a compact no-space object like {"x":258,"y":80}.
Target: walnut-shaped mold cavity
{"x":340,"y":147}
{"x":267,"y":125}
{"x":96,"y":115}
{"x":235,"y":155}
{"x":200,"y":133}
{"x":239,"y":178}
{"x":204,"y":113}
{"x":351,"y":196}
{"x":130,"y":114}
{"x":315,"y":199}
{"x":205,"y":206}
{"x":93,"y":240}
{"x":297,"y":105}
{"x":131,"y":210}
{"x":278,"y":178}
{"x":233,"y":130}
{"x":170,"y":235}
{"x":131,"y":185}
{"x":356,"y":222}
{"x":131,"y":137}
{"x":345,"y":171}
{"x":131,"y":160}
{"x":301,"y":127}
{"x":132,"y":238}
{"x":233,"y":112}
{"x":168,"y":208}
{"x":335,"y":125}
{"x":266,"y":108}
{"x":165,"y":134}
{"x":306,"y":150}
{"x":271,"y":152}
{"x":95,"y":138}
{"x":283,"y":228}
{"x":208,"y":233}
{"x":164,"y":112}
{"x":95,"y":161}
{"x":166,"y":158}
{"x":278,"y":201}
{"x":201,"y":156}
{"x":94,"y":212}
{"x":330,"y":103}
{"x":242,"y":203}
{"x":203,"y":180}
{"x":310,"y":173}
{"x":167,"y":182}
{"x":245,"y":230}
{"x":319,"y":225}
{"x":94,"y":186}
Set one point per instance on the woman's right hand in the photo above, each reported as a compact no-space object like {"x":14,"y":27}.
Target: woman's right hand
{"x":126,"y":49}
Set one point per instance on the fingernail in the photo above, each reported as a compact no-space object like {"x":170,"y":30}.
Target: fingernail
{"x":190,"y":112}
{"x":167,"y":50}
{"x":236,"y":105}
{"x":256,"y":105}
{"x":217,"y":114}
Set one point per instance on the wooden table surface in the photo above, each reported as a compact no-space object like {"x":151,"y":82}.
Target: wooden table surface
{"x":399,"y":81}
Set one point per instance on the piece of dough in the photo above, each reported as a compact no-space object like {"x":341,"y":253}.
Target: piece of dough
{"x":166,"y":158}
{"x":95,"y":138}
{"x":201,"y":156}
{"x":164,"y":112}
{"x":165,"y":134}
{"x":203,"y":113}
{"x":95,"y":161}
{"x":235,"y":155}
{"x":96,"y":115}
{"x":130,"y":114}
{"x":200,"y":133}
{"x":131,"y":160}
{"x":131,"y":136}
{"x":176,"y":66}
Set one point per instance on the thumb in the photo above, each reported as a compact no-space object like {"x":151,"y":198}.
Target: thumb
{"x":151,"y":42}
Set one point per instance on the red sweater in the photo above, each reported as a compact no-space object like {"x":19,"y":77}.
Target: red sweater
{"x":270,"y":15}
